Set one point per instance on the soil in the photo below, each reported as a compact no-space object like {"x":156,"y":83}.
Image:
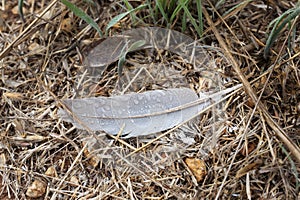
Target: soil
{"x":245,"y":148}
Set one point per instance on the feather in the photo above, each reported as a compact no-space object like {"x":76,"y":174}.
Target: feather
{"x":112,"y":48}
{"x":137,"y":114}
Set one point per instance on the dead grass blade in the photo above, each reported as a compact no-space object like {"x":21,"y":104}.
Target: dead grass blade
{"x":250,"y":91}
{"x":21,"y":35}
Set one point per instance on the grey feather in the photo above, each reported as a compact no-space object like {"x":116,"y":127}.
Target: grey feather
{"x":111,"y":48}
{"x":137,"y":114}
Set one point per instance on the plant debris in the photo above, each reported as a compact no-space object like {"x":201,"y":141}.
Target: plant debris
{"x":243,"y":148}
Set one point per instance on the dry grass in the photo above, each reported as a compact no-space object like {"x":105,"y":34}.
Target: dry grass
{"x":249,"y":149}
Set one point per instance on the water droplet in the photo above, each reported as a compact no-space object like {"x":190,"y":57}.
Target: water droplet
{"x":78,"y":104}
{"x":107,"y":108}
{"x":140,"y":97}
{"x":99,"y":103}
{"x":135,"y":101}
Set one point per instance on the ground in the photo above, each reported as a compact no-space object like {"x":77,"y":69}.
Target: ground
{"x":244,"y":148}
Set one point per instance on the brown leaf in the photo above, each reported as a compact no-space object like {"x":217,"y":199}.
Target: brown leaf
{"x":93,"y":160}
{"x":51,"y":171}
{"x":34,"y":46}
{"x":74,"y":180}
{"x":3,"y":159}
{"x":197,"y":167}
{"x":249,"y":167}
{"x":36,"y":189}
{"x":250,"y":148}
{"x":14,"y":95}
{"x":67,"y":25}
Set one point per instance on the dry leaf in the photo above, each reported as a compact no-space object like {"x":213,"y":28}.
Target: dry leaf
{"x":36,"y":189}
{"x":14,"y":95}
{"x":250,"y":148}
{"x":249,"y":167}
{"x":51,"y":171}
{"x":19,"y":126}
{"x":34,"y":46}
{"x":67,"y":25}
{"x":197,"y":167}
{"x":74,"y":180}
{"x":15,"y":10}
{"x":93,"y":160}
{"x":3,"y":159}
{"x":29,"y":138}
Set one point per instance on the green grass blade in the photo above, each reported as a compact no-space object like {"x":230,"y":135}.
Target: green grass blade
{"x":151,"y":11}
{"x":200,"y":17}
{"x":121,"y":62}
{"x":176,"y":11}
{"x":219,"y":4}
{"x":276,"y":21}
{"x":80,"y":13}
{"x":20,"y":9}
{"x":136,"y":45}
{"x":242,"y":4}
{"x":184,"y":22}
{"x":279,"y":25}
{"x":117,"y":18}
{"x":293,"y":167}
{"x":124,"y":52}
{"x":91,"y":2}
{"x":129,"y":7}
{"x":189,"y":15}
{"x":162,"y":10}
